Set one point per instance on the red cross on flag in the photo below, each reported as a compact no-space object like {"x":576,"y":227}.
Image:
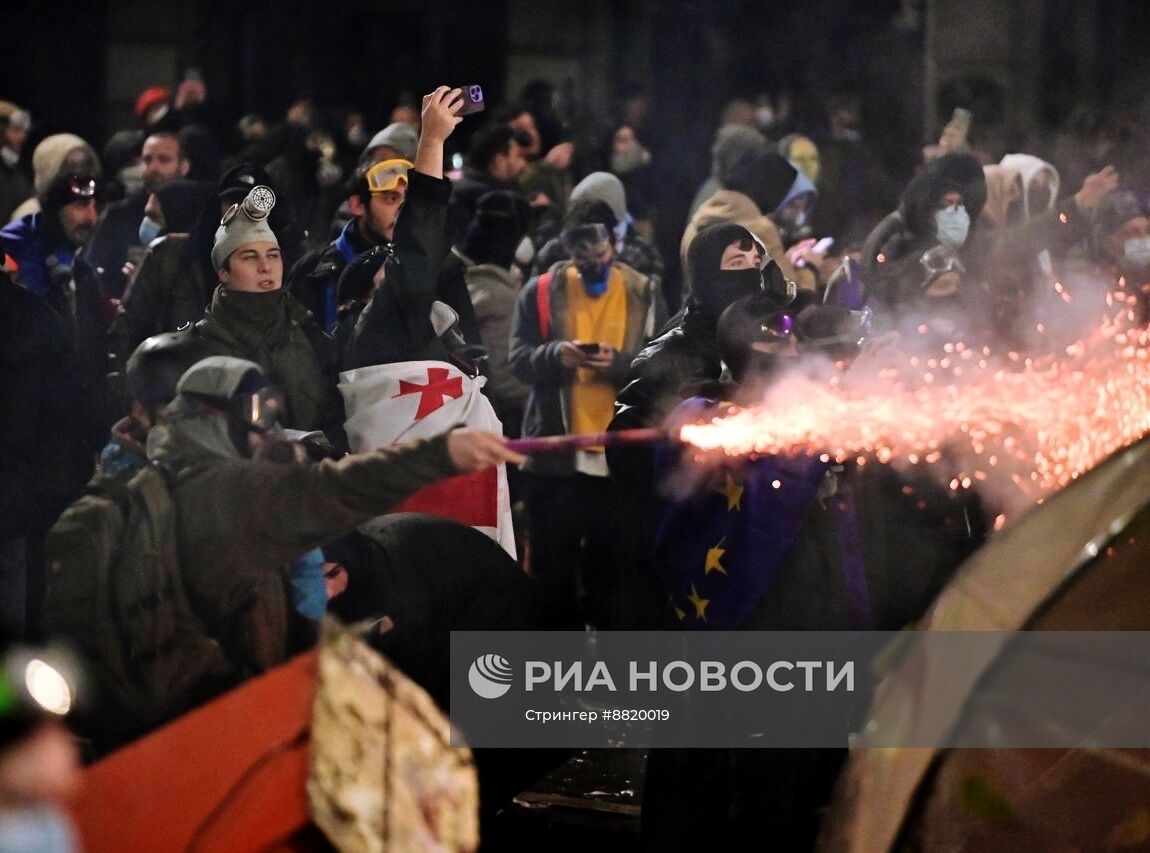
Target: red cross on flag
{"x":392,"y":403}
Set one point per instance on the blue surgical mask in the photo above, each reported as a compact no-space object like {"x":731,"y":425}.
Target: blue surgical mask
{"x":149,"y":230}
{"x":594,"y":275}
{"x":952,"y":224}
{"x":1137,"y":252}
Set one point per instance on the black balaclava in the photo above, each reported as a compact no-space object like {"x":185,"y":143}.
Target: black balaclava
{"x":712,"y":288}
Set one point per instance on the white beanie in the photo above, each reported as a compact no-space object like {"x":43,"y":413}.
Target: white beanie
{"x":246,"y":222}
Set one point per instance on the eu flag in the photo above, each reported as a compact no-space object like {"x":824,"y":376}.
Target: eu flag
{"x":719,"y":548}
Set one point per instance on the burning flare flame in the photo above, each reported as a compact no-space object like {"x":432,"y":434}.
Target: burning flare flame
{"x":1017,"y":428}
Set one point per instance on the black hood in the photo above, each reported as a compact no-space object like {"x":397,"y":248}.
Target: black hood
{"x":182,"y":201}
{"x":955,"y":171}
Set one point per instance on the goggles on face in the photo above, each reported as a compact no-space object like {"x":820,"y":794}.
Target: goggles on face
{"x":259,"y":411}
{"x":256,"y":206}
{"x":586,"y":240}
{"x":387,"y":175}
{"x":939,"y":260}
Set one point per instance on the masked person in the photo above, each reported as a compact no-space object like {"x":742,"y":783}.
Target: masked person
{"x":756,"y":185}
{"x":241,"y":520}
{"x":1121,"y":245}
{"x":253,"y":317}
{"x":150,"y":305}
{"x":576,"y":329}
{"x":936,"y":214}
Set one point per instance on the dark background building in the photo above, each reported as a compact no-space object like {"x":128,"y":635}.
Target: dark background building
{"x":1025,"y":67}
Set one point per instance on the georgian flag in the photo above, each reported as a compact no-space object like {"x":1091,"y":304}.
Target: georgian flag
{"x":392,"y":403}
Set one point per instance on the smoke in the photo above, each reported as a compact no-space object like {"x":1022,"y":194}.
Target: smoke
{"x":1014,"y":417}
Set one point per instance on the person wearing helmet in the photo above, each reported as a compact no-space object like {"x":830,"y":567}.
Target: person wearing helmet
{"x":153,"y":370}
{"x":243,"y":518}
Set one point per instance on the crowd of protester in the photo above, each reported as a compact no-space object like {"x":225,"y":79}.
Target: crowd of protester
{"x":218,"y":310}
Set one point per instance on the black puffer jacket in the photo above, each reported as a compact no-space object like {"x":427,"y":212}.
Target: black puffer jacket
{"x":686,"y":355}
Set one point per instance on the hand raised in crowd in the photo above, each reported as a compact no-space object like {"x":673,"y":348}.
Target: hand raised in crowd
{"x":440,"y":113}
{"x":473,"y":450}
{"x":1096,"y":187}
{"x":190,"y":92}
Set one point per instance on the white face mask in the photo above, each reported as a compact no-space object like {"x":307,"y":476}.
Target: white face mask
{"x":1137,"y":252}
{"x":952,"y":224}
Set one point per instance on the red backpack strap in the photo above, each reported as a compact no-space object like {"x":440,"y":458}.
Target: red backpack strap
{"x":543,"y":304}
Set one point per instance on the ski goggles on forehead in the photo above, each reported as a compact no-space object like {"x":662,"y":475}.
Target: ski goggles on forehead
{"x":586,"y":239}
{"x":388,"y":175}
{"x":259,"y":411}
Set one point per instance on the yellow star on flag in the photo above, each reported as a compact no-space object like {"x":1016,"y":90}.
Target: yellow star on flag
{"x":700,"y":603}
{"x":680,"y":613}
{"x":732,"y":491}
{"x":714,"y":556}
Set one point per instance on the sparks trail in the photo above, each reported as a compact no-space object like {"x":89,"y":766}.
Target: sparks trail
{"x":1020,"y":426}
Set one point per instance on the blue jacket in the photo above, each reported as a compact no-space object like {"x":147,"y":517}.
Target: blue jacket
{"x":24,"y":243}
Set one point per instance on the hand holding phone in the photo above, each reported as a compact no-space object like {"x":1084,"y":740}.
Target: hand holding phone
{"x":472,"y":100}
{"x":589,"y":349}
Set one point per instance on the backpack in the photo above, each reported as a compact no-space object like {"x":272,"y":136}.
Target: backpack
{"x":115,"y":590}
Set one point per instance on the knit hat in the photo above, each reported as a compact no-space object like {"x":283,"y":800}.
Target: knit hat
{"x":151,"y":98}
{"x":605,"y":187}
{"x":61,"y":150}
{"x":398,"y":136}
{"x":68,"y":187}
{"x":244,"y":223}
{"x":731,"y":141}
{"x":501,"y":220}
{"x":240,"y":180}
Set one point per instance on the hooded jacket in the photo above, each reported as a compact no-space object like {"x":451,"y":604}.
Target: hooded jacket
{"x":685,"y":356}
{"x":890,"y":255}
{"x":1030,"y":167}
{"x":240,"y":522}
{"x":729,"y":206}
